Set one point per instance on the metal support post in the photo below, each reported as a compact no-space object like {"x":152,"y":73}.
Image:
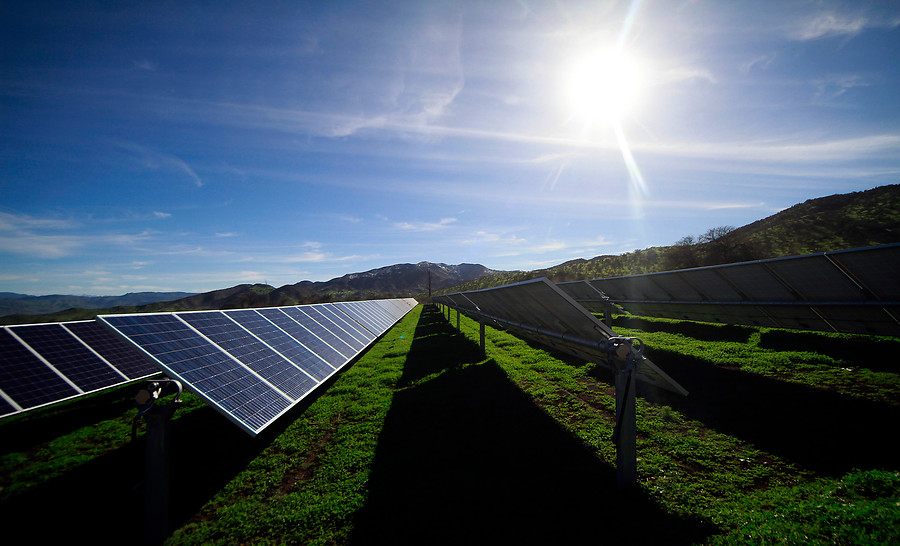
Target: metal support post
{"x":625,"y":355}
{"x":626,"y":428}
{"x":481,"y":335}
{"x":156,"y":465}
{"x":457,"y":319}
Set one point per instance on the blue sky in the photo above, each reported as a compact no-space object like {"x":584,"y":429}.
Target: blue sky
{"x":160,"y":146}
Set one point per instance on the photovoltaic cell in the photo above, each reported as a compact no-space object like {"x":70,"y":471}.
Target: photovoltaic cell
{"x":68,"y":356}
{"x":25,"y":379}
{"x":252,"y":352}
{"x":284,"y":344}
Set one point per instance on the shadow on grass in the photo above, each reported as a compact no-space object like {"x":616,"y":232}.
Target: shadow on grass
{"x":437,"y":347}
{"x":874,"y":353}
{"x":821,"y":430}
{"x":696,"y":330}
{"x":103,"y":499}
{"x":468,"y":458}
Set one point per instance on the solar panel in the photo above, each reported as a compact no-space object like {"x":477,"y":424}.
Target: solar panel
{"x":305,"y":318}
{"x":853,"y":291}
{"x":541,"y":311}
{"x":302,"y":334}
{"x":26,"y":380}
{"x":357,"y":336}
{"x":41,"y":364}
{"x":69,"y":356}
{"x":363,"y":320}
{"x":252,"y":352}
{"x":123,"y":356}
{"x":285,"y":344}
{"x":212,"y":374}
{"x":252,"y":365}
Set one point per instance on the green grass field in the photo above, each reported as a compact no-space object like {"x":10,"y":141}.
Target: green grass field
{"x":786,"y":437}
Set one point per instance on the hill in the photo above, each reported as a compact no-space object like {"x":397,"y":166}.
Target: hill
{"x":399,"y":280}
{"x":836,"y":222}
{"x":12,"y":303}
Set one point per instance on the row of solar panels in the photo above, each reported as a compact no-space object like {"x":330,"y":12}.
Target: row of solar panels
{"x":252,"y":365}
{"x":853,"y":291}
{"x":541,"y":311}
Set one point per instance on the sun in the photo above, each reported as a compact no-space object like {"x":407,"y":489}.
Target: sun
{"x":602,"y":87}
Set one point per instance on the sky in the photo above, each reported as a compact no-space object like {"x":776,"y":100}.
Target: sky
{"x":192,"y":146}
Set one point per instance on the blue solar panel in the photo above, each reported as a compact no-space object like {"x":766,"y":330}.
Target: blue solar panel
{"x":357,"y":332}
{"x":304,"y":336}
{"x":298,"y":313}
{"x":123,"y":356}
{"x":284,"y":344}
{"x":378,"y":315}
{"x":364,"y":320}
{"x":25,"y":379}
{"x":252,"y":352}
{"x":211,"y":373}
{"x":69,"y":356}
{"x":348,"y":345}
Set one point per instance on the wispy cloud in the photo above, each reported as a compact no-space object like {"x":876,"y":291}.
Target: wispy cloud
{"x":156,"y":160}
{"x":425,"y":226}
{"x":832,"y":24}
{"x":162,"y":215}
{"x":833,"y":86}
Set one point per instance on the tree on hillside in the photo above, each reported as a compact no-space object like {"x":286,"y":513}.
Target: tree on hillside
{"x":681,"y":255}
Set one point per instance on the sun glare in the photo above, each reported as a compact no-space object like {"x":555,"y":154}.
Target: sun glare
{"x":602,"y":87}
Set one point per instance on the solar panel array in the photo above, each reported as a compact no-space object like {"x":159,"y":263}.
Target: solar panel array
{"x":253,"y":365}
{"x":853,"y":291}
{"x":540,"y":311}
{"x":42,"y":364}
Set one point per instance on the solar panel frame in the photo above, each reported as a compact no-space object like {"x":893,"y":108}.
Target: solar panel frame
{"x":853,"y":291}
{"x":541,"y":311}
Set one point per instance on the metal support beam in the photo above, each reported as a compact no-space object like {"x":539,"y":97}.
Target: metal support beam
{"x":481,"y":335}
{"x":625,"y":435}
{"x":457,"y":319}
{"x":156,"y":465}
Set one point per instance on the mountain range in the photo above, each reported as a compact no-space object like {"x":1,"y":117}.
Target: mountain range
{"x":836,"y":222}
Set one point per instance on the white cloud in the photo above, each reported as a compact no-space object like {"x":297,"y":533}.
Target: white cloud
{"x":162,"y":214}
{"x":155,"y":160}
{"x":829,"y":24}
{"x":425,"y":226}
{"x":834,"y":85}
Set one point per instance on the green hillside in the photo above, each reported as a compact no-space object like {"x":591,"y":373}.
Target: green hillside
{"x":836,"y":222}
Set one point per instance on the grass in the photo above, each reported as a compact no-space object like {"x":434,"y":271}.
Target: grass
{"x":786,"y":437}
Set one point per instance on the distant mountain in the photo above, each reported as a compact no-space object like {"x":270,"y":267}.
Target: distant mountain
{"x":836,"y":222}
{"x":12,"y":303}
{"x":400,"y":280}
